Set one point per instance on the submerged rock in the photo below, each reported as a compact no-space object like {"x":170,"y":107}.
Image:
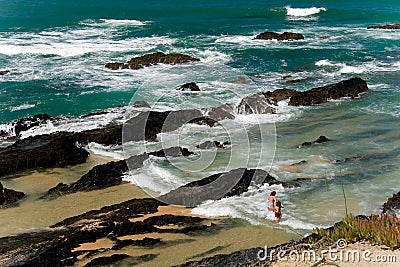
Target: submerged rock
{"x":213,"y":144}
{"x":152,"y":59}
{"x":280,"y":36}
{"x":172,"y":152}
{"x":9,"y":196}
{"x":217,"y":186}
{"x":387,"y":26}
{"x":320,"y":140}
{"x":189,"y":87}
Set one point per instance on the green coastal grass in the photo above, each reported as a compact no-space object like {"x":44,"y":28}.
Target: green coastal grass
{"x":383,"y":229}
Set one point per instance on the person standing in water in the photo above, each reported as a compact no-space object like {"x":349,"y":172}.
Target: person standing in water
{"x":278,"y":213}
{"x":271,"y":201}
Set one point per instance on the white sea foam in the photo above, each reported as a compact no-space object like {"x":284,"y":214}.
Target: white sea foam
{"x":75,"y":43}
{"x":366,"y":67}
{"x":124,"y":22}
{"x":252,"y":206}
{"x":114,"y":152}
{"x":303,"y":12}
{"x":112,"y":116}
{"x":22,"y":107}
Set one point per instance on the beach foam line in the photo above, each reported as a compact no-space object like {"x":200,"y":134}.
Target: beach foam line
{"x":303,"y":12}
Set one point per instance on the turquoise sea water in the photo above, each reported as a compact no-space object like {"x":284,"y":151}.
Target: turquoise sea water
{"x":56,"y":51}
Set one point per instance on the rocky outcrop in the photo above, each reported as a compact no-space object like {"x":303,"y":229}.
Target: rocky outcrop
{"x":213,"y":144}
{"x":58,"y":150}
{"x":319,"y":140}
{"x":141,"y":104}
{"x":111,"y":173}
{"x":98,"y":177}
{"x":261,"y":103}
{"x":217,"y":186}
{"x":348,"y":88}
{"x":387,"y":26}
{"x":111,"y":135}
{"x":287,"y":36}
{"x":279,"y":95}
{"x":30,"y":122}
{"x":255,"y":104}
{"x":148,"y":124}
{"x":172,"y":152}
{"x":9,"y":196}
{"x":4,"y":72}
{"x":392,"y":203}
{"x":152,"y":59}
{"x":58,"y":245}
{"x":189,"y":87}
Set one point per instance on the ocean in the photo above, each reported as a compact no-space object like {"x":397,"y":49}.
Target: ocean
{"x":56,"y":52}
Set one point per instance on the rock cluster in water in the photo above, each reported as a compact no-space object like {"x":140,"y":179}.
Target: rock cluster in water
{"x":152,"y":59}
{"x":287,"y":36}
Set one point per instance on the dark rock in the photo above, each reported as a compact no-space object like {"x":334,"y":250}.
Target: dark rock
{"x":387,"y":26}
{"x":111,"y":135}
{"x":300,"y":163}
{"x":280,"y":37}
{"x":30,"y":122}
{"x":217,"y":186}
{"x":204,"y":121}
{"x":46,"y":151}
{"x":141,"y":104}
{"x":55,"y":247}
{"x":4,"y":72}
{"x":279,"y":95}
{"x":295,"y":80}
{"x":348,"y":88}
{"x":100,"y":176}
{"x":167,"y":219}
{"x":320,"y":140}
{"x":9,"y":196}
{"x":101,"y":261}
{"x":172,"y":152}
{"x":189,"y":87}
{"x":222,"y":112}
{"x":145,"y":242}
{"x":147,"y":125}
{"x":152,"y":59}
{"x":261,"y":103}
{"x":213,"y":144}
{"x":255,"y":104}
{"x":392,"y":203}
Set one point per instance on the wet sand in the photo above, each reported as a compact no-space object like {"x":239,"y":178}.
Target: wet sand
{"x":33,"y":214}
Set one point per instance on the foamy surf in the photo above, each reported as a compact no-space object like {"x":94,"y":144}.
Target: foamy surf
{"x":252,"y":206}
{"x":303,"y":12}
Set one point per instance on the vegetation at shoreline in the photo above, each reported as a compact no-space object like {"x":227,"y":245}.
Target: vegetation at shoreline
{"x":383,"y":229}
